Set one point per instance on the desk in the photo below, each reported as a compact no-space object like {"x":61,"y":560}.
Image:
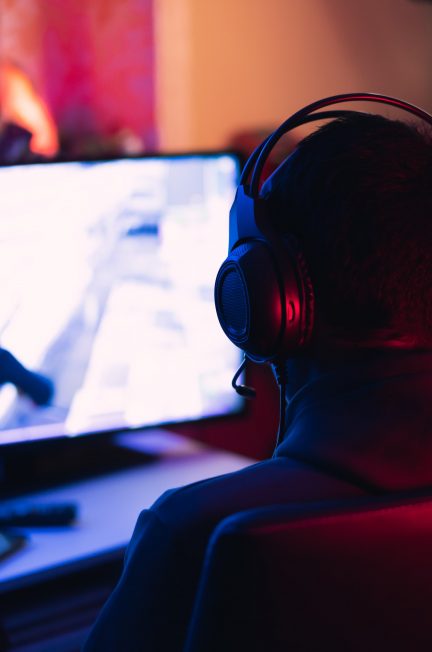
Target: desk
{"x":52,"y":590}
{"x":109,"y":506}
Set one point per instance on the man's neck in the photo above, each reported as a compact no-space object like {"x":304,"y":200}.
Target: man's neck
{"x":302,"y":370}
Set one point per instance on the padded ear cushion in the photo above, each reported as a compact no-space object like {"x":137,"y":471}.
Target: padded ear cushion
{"x":306,"y":291}
{"x":264,"y":299}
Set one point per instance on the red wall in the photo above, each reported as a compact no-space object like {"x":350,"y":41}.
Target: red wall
{"x":92,"y":62}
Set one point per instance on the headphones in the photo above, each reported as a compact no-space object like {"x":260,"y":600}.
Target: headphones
{"x":264,"y":295}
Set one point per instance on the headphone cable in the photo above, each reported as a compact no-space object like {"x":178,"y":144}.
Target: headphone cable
{"x":281,"y":379}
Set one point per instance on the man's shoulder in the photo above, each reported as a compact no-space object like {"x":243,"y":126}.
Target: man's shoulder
{"x":197,"y":508}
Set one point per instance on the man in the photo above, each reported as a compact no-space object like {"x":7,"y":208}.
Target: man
{"x":357,"y":195}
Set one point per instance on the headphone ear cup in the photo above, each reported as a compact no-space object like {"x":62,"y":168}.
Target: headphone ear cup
{"x":248,"y":300}
{"x":264,"y":299}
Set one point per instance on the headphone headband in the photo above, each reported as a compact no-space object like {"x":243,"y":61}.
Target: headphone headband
{"x":307,"y":113}
{"x":322,"y":115}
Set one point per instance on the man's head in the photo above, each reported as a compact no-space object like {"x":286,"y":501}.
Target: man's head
{"x":358,"y":195}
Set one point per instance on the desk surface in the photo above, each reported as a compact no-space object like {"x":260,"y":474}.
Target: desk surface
{"x":109,"y":506}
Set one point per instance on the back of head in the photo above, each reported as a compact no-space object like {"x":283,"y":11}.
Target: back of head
{"x":358,"y":195}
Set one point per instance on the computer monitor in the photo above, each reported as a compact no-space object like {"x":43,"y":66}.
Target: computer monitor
{"x":107,"y":271}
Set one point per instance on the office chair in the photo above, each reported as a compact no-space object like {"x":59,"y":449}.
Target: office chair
{"x":312,"y":578}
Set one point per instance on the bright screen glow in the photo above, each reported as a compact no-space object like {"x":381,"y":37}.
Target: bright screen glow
{"x":107,"y":272}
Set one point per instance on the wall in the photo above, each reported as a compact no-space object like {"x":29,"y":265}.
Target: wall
{"x":91,"y":62}
{"x":228,"y":65}
{"x":219,"y":67}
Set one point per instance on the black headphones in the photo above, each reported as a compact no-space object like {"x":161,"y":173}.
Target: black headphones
{"x":264,"y":296}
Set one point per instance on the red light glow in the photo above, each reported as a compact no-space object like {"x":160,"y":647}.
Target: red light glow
{"x":22,"y":105}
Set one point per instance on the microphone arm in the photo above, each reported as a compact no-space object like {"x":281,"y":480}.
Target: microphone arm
{"x":243,"y":390}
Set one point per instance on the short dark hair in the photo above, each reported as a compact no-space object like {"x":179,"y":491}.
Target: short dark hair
{"x":358,"y":195}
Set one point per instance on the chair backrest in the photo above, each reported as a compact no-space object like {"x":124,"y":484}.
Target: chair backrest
{"x":311,"y":579}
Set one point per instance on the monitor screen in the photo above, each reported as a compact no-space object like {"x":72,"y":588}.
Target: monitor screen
{"x":107,"y":271}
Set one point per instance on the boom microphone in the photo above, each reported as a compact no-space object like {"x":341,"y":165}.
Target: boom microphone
{"x":243,"y":390}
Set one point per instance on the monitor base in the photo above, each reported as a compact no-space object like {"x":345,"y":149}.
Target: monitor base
{"x":35,"y":466}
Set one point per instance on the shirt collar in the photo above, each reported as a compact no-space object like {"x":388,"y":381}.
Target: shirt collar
{"x":370,"y":421}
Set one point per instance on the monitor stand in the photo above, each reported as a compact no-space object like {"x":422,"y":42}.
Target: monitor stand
{"x":38,"y":465}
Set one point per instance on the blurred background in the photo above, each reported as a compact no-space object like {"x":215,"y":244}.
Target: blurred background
{"x":188,"y":74}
